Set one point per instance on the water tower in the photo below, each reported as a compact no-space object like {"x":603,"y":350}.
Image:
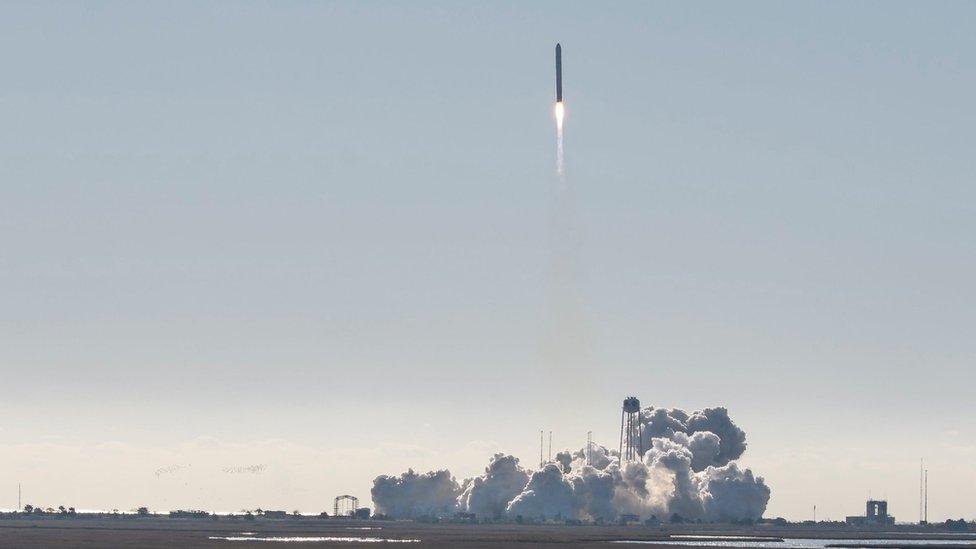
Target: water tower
{"x":630,"y":431}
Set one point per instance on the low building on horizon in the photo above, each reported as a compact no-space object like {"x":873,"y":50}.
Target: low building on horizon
{"x":876,"y":514}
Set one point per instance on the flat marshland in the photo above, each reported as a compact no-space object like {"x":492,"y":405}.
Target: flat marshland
{"x":231,"y":533}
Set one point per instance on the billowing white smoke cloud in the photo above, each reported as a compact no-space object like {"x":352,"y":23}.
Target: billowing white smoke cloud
{"x":600,"y":456}
{"x":549,"y":494}
{"x":717,"y":421}
{"x":687,"y":469}
{"x":488,"y":495}
{"x":732,"y":494}
{"x":676,"y":458}
{"x":710,"y":425}
{"x":705,"y":448}
{"x":594,"y":491}
{"x":411,"y":495}
{"x":565,"y":460}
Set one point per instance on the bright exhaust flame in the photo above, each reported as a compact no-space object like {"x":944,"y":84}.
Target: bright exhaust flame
{"x":560,"y":115}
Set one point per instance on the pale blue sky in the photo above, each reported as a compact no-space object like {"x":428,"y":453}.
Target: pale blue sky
{"x":329,"y":225}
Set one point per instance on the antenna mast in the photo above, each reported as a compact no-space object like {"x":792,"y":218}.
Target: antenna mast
{"x":542,"y":460}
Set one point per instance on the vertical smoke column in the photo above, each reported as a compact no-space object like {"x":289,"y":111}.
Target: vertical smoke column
{"x":568,"y":347}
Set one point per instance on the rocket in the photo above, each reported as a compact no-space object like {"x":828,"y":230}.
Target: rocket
{"x":559,"y":73}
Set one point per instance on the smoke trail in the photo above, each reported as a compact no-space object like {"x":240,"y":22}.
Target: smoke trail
{"x":567,"y":349}
{"x":560,"y":169}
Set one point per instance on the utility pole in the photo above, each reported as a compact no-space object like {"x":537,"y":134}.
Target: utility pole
{"x":814,"y":514}
{"x":19,"y":508}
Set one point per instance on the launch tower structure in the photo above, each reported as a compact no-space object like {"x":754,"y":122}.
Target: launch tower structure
{"x":345,"y":505}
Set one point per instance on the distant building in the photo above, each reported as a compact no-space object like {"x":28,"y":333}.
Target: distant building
{"x":461,"y":517}
{"x":361,"y":513}
{"x":188,"y":514}
{"x":275,"y":514}
{"x":876,"y":514}
{"x":626,"y":519}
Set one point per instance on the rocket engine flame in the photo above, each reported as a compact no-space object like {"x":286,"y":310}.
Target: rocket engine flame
{"x":560,"y":112}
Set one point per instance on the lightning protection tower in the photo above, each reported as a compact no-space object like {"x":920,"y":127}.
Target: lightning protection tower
{"x":630,"y":431}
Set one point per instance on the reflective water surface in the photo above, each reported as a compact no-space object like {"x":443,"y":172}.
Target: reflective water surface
{"x":795,"y":543}
{"x":300,"y":539}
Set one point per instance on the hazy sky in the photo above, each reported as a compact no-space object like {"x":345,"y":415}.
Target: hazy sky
{"x":320,"y":238}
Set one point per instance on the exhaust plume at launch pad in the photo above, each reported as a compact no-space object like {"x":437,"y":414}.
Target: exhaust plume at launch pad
{"x":680,"y":463}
